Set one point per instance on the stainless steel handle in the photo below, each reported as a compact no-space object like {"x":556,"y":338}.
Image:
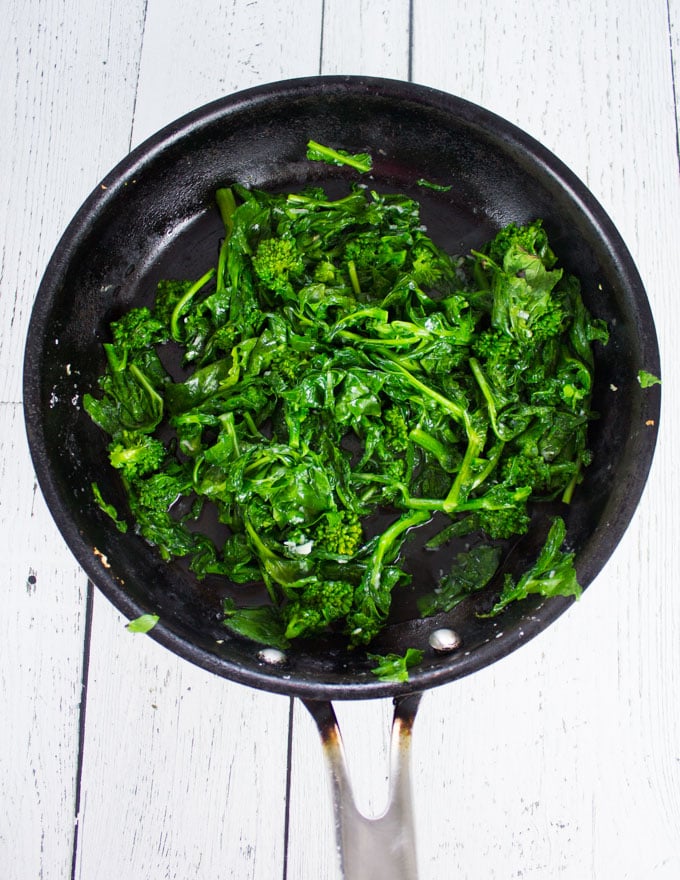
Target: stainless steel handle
{"x":381,"y":848}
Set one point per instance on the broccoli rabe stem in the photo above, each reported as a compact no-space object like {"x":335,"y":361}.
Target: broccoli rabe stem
{"x":485,"y":388}
{"x":386,"y":544}
{"x":184,"y":301}
{"x":354,"y":277}
{"x":458,"y":412}
{"x":463,"y":478}
{"x":359,"y":161}
{"x":475,"y":444}
{"x":226,"y":203}
{"x":300,"y":199}
{"x":492,"y":460}
{"x":434,"y":447}
{"x":571,"y":486}
{"x":278,"y":573}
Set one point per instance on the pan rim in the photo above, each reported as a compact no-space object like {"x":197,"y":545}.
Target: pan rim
{"x":267,"y":677}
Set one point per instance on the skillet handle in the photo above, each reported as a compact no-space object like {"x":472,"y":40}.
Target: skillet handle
{"x":381,"y":848}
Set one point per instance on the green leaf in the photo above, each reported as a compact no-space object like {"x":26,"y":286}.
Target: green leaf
{"x":320,"y":153}
{"x":428,"y":184}
{"x":393,"y":667}
{"x":646,"y":379}
{"x":261,"y":624}
{"x":553,"y":573}
{"x":471,"y":571}
{"x":108,"y":509}
{"x":143,"y":624}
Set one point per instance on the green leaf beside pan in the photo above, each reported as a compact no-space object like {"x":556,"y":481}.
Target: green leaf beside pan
{"x":142,"y":624}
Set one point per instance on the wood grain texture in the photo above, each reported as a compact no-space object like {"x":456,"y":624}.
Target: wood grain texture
{"x":184,"y":774}
{"x":367,"y":37}
{"x":674,"y":40}
{"x":61,"y":76}
{"x":41,"y":642}
{"x":195,"y":53}
{"x":562,"y":760}
{"x":69,"y":81}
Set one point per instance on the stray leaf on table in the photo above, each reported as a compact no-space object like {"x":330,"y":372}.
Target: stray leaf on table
{"x":143,"y":624}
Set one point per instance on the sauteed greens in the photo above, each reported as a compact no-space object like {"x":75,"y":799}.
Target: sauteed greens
{"x":342,"y":383}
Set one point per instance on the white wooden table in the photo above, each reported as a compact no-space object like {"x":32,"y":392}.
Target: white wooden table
{"x":119,"y":761}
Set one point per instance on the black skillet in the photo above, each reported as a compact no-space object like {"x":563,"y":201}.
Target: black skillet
{"x":154,"y":216}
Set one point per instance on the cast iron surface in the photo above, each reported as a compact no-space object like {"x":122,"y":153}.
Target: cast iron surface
{"x":153,"y":216}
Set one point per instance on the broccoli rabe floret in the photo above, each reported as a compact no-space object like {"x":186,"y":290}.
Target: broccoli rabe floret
{"x":517,"y":269}
{"x":528,"y":470}
{"x":375,"y":262}
{"x":287,"y":363}
{"x":396,"y":430}
{"x":221,"y":340}
{"x":549,"y":323}
{"x":430,"y":266}
{"x":161,"y":490}
{"x":530,"y":238}
{"x":340,"y":533}
{"x":275,"y":260}
{"x":504,"y":523}
{"x":501,"y":356}
{"x":135,"y":454}
{"x":324,"y":272}
{"x":369,"y":250}
{"x":169,"y":292}
{"x":502,"y":511}
{"x":138,"y":329}
{"x":320,"y":603}
{"x":546,"y":479}
{"x":494,"y":346}
{"x":395,"y":469}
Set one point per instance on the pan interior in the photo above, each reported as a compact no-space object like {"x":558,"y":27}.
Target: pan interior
{"x":154,"y":217}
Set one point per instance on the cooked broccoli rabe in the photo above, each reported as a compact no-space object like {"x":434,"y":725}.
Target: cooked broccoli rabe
{"x":138,"y":329}
{"x":395,"y":667}
{"x":553,"y":573}
{"x":136,"y":454}
{"x":318,"y":605}
{"x":321,"y":153}
{"x":340,"y":533}
{"x":275,"y":260}
{"x":341,"y":370}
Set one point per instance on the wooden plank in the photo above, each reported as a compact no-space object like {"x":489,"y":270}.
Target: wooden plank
{"x":184,"y":773}
{"x":367,"y":37}
{"x":51,"y":153}
{"x":674,"y":30}
{"x":190,"y":780}
{"x":70,"y":75}
{"x":41,"y":634}
{"x":198,"y":53}
{"x":574,"y":770}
